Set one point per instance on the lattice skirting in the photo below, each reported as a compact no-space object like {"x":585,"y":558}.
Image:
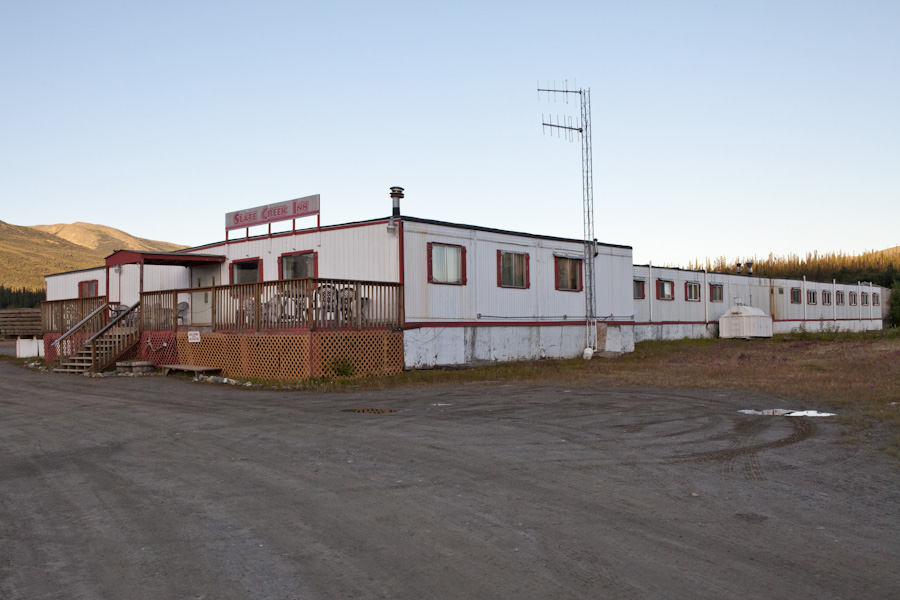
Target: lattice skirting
{"x":334,"y":354}
{"x":50,"y":352}
{"x":160,"y":347}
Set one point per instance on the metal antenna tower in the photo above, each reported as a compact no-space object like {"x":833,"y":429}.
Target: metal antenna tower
{"x":568,"y":129}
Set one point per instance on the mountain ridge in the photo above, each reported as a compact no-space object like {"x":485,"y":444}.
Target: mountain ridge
{"x":27,"y":253}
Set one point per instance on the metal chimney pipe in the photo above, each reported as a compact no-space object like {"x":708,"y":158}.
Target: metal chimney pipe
{"x":738,"y":265}
{"x":396,"y":194}
{"x":749,"y":267}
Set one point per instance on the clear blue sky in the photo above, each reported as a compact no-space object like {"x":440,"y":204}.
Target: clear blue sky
{"x":732,"y":128}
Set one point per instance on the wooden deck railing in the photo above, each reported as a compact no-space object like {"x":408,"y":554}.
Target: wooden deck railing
{"x":59,"y":316}
{"x":277,"y":305}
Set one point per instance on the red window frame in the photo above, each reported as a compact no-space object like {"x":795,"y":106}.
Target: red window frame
{"x":839,"y":298}
{"x":639,"y":287}
{"x":687,"y":297}
{"x":826,"y":297}
{"x":853,"y":299}
{"x":876,"y":299}
{"x":864,"y":298}
{"x":796,"y":296}
{"x":243,"y":260}
{"x":811,"y":296}
{"x":462,"y":260}
{"x":84,"y":288}
{"x":659,"y":289}
{"x":580,"y":262}
{"x":712,"y":297}
{"x":527,"y":256}
{"x":315,"y":256}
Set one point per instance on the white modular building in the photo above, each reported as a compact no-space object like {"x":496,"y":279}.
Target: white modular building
{"x":470,"y":294}
{"x":467,"y":294}
{"x":677,"y":303}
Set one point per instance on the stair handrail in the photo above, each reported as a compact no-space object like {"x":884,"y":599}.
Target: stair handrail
{"x":80,"y":323}
{"x":112,"y":322}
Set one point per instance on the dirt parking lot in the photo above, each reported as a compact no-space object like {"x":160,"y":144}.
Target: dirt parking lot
{"x":162,"y":488}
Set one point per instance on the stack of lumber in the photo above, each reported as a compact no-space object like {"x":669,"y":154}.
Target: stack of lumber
{"x":20,"y":322}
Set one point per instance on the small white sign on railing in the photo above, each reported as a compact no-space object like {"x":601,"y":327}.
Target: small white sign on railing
{"x":193,"y":336}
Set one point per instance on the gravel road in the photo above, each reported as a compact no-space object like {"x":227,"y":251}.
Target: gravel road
{"x":161,"y":488}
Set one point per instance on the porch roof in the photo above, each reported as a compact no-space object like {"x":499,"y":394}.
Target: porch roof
{"x":179,"y":259}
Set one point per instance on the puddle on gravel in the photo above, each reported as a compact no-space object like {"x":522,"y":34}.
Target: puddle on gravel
{"x":781,"y":412}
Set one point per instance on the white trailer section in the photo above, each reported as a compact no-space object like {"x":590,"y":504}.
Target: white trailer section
{"x":479,"y":316}
{"x":368,"y":251}
{"x":76,"y":284}
{"x":675,"y":303}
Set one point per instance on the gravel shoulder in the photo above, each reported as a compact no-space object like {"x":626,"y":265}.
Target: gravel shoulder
{"x":161,"y":488}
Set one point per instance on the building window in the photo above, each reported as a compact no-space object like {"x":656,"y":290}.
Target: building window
{"x":246,"y":271}
{"x":810,"y":296}
{"x":795,"y":295}
{"x":692,"y":291}
{"x":716,"y":292}
{"x":639,"y":293}
{"x":88,"y":289}
{"x":446,"y":264}
{"x":876,"y":299}
{"x":826,"y":298}
{"x":513,"y":270}
{"x":665,"y":290}
{"x":853,"y":298}
{"x":865,"y":298}
{"x":298,"y":265}
{"x":568,"y":274}
{"x":839,"y":298}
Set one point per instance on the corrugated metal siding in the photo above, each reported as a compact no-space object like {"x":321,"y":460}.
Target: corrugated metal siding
{"x":65,"y":285}
{"x":165,"y":277}
{"x":367,"y":252}
{"x":483,"y":296}
{"x":125,"y":288}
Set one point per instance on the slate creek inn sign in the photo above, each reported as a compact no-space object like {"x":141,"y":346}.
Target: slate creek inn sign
{"x":272,"y":213}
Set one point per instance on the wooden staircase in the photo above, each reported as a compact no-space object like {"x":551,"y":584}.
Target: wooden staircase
{"x":101,"y":352}
{"x":105,"y":346}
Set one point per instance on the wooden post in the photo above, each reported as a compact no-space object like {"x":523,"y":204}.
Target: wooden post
{"x":214,"y":302}
{"x":258,"y":304}
{"x":93,"y":356}
{"x":174,"y":311}
{"x":357,"y":305}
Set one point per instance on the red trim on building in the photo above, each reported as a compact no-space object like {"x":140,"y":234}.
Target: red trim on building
{"x":85,"y":292}
{"x":659,"y":288}
{"x":687,"y":296}
{"x":526,"y":267}
{"x":289,"y":233}
{"x":527,"y":270}
{"x":259,"y":269}
{"x":462,"y":260}
{"x":424,"y":324}
{"x":636,"y":324}
{"x":315,"y":256}
{"x":556,"y":274}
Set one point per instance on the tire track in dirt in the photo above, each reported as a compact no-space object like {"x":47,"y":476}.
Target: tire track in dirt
{"x":802,"y":429}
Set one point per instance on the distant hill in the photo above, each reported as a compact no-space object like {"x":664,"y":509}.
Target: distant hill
{"x":29,"y":253}
{"x":105,"y":240}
